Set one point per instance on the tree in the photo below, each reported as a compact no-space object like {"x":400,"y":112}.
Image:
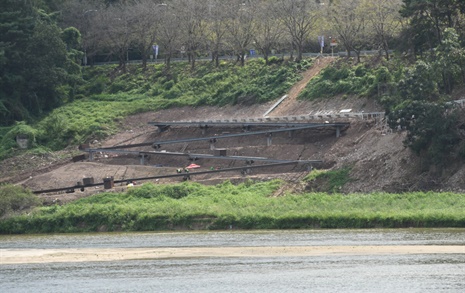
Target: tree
{"x":300,"y":17}
{"x":240,"y":27}
{"x":115,"y":27}
{"x":450,"y":60}
{"x":35,"y":62}
{"x":17,"y":25}
{"x":168,"y":33}
{"x":145,"y":24}
{"x":431,"y":129}
{"x":84,"y":15}
{"x":419,"y":83}
{"x":193,"y":26}
{"x":216,"y":31}
{"x":429,"y":18}
{"x":384,"y":21}
{"x":350,"y":23}
{"x":269,"y":30}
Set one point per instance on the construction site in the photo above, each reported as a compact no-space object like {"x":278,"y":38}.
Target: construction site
{"x":284,"y":139}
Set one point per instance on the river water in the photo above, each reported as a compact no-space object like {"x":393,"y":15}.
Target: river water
{"x":438,"y":272}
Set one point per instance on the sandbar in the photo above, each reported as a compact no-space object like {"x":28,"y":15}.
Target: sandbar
{"x":19,"y":256}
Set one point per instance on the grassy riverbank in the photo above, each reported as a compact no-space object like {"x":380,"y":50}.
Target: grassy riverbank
{"x":246,"y":206}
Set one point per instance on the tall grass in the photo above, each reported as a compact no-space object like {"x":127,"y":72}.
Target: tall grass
{"x":245,"y":206}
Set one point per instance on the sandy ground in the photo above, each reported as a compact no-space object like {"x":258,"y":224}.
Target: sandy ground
{"x":18,"y":256}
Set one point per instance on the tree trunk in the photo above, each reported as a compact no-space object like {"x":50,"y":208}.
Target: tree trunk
{"x":242,"y":59}
{"x":215,"y":58}
{"x":192,"y":62}
{"x":122,"y":61}
{"x":299,"y":53}
{"x":265,"y":55}
{"x":144,"y":60}
{"x":167,"y":62}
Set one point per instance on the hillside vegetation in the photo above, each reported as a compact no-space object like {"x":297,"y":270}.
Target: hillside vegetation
{"x":107,"y":96}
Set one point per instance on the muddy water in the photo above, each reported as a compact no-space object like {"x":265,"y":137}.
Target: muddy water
{"x":318,"y":273}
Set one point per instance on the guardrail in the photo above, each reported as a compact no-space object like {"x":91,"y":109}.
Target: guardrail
{"x":234,"y":57}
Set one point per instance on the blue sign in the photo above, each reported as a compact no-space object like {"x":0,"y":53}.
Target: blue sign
{"x":252,"y":52}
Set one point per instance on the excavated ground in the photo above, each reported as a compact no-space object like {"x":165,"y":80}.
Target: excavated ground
{"x":362,"y":144}
{"x":378,"y":160}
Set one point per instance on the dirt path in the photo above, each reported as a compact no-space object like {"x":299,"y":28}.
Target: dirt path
{"x":285,"y":107}
{"x":18,"y":256}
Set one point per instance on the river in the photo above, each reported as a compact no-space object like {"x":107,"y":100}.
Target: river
{"x":377,"y":260}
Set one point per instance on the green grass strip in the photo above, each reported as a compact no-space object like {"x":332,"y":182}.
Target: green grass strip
{"x":246,"y":206}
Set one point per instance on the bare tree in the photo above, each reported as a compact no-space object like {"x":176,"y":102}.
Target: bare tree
{"x":115,"y":26}
{"x":384,"y":20}
{"x":192,"y":17}
{"x":269,"y":29}
{"x":300,"y":17}
{"x":216,"y":18}
{"x":240,"y":27}
{"x":168,"y":32}
{"x":145,"y":25}
{"x":350,"y":23}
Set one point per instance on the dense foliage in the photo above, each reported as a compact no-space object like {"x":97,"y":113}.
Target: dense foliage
{"x":432,"y":130}
{"x":16,"y":199}
{"x":428,"y":20}
{"x":37,"y":72}
{"x":246,"y":206}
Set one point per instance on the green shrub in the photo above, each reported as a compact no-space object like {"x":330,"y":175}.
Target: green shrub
{"x":15,"y":199}
{"x":330,"y":181}
{"x":8,"y":138}
{"x":275,"y":60}
{"x":96,"y":86}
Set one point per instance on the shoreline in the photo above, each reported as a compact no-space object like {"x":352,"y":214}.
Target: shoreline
{"x":24,"y":256}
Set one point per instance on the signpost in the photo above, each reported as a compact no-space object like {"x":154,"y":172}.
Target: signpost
{"x":321,"y":41}
{"x":155,"y":51}
{"x":332,"y":44}
{"x":183,"y":50}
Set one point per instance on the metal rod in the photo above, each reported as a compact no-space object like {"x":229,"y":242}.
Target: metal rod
{"x":166,"y":176}
{"x":156,"y":143}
